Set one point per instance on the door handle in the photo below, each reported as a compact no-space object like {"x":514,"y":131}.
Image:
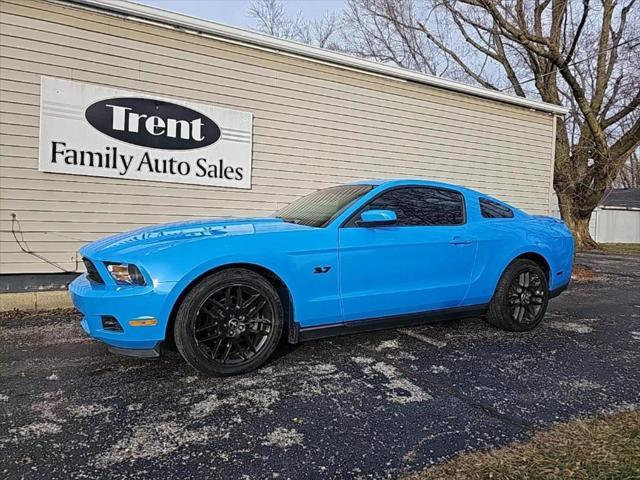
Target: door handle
{"x":459,"y":241}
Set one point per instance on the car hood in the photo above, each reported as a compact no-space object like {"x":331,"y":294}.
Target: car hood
{"x":162,"y":236}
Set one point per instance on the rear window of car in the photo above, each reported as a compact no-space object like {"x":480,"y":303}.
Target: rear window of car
{"x":491,"y":209}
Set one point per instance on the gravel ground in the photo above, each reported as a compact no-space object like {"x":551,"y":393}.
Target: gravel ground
{"x":366,"y":406}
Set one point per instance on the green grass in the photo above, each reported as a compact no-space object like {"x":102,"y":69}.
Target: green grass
{"x":602,"y":448}
{"x":633,"y":248}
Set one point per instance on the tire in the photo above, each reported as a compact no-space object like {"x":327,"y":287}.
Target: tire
{"x":521,"y":297}
{"x":229,"y":323}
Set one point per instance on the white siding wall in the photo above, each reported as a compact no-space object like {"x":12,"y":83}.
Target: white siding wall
{"x":315,"y":125}
{"x":615,"y":225}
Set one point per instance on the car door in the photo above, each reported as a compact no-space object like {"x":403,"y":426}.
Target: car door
{"x":421,"y":263}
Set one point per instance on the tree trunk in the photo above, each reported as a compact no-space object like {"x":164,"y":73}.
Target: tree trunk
{"x":580,"y":229}
{"x":578,"y":223}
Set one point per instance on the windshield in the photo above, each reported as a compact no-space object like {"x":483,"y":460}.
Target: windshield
{"x":319,"y":208}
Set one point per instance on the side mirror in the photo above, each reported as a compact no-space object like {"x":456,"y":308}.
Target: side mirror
{"x":377,"y":218}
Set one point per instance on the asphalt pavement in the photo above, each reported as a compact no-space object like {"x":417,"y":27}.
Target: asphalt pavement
{"x":365,"y":406}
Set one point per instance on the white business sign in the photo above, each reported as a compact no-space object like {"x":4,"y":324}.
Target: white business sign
{"x":99,"y":131}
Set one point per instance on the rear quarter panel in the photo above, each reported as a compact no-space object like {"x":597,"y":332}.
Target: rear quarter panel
{"x":556,"y":241}
{"x":500,"y":241}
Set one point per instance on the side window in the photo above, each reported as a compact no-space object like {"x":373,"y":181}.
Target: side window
{"x":491,"y":209}
{"x":416,"y":206}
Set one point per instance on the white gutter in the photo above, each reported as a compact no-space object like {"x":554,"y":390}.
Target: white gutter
{"x":136,"y":10}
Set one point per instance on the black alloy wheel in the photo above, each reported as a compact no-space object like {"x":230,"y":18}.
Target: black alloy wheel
{"x":233,"y":324}
{"x":526,"y":297}
{"x":229,"y":323}
{"x":521,"y":297}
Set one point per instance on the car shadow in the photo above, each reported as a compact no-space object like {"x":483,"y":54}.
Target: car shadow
{"x":283,"y":349}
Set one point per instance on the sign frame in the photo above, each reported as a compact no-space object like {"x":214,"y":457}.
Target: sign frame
{"x":100,"y":131}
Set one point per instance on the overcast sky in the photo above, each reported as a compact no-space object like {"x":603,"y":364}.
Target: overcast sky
{"x":234,"y":12}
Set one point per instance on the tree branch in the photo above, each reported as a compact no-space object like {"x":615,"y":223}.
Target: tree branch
{"x":623,"y":112}
{"x":456,"y":58}
{"x":601,"y":60}
{"x":576,"y":37}
{"x":621,"y":150}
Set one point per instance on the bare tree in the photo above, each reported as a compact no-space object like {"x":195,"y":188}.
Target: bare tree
{"x":271,"y":18}
{"x":577,"y":53}
{"x":629,"y":176}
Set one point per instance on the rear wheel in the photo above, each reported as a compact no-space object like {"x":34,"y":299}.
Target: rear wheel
{"x":229,"y":323}
{"x":520,"y":300}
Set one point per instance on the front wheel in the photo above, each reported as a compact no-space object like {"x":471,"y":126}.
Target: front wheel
{"x":229,"y":323}
{"x":521,"y":297}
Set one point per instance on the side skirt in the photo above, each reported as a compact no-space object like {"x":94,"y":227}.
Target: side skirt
{"x":384,"y":323}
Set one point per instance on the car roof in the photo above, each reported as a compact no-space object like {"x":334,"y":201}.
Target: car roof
{"x":386,"y":182}
{"x":398,"y":182}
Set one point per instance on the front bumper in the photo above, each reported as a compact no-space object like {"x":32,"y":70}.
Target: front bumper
{"x":138,"y":353}
{"x":125,"y":304}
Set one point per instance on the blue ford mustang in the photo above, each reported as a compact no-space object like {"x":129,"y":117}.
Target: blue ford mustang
{"x":363,"y":256}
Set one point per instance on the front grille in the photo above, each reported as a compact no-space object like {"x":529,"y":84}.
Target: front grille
{"x":92,"y":272}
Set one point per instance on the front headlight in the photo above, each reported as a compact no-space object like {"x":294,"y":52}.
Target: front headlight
{"x":125,"y":273}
